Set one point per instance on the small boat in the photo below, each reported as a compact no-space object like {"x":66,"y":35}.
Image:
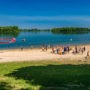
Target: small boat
{"x":7,"y":40}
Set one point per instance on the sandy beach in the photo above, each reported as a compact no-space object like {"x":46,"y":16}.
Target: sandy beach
{"x":14,"y":55}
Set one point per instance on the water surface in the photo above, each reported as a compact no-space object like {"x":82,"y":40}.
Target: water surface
{"x":36,"y":39}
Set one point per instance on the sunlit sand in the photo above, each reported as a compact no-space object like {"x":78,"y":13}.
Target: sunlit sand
{"x":37,"y":55}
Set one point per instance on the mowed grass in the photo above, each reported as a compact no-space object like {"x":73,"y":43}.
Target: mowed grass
{"x":44,"y":75}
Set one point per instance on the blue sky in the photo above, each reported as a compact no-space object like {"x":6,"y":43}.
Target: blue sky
{"x":45,"y":13}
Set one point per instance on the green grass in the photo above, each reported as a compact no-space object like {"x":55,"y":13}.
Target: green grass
{"x":44,"y":75}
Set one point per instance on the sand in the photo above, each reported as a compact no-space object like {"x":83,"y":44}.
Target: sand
{"x":14,"y":55}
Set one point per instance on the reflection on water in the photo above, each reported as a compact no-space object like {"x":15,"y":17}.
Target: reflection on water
{"x":77,"y":32}
{"x":34,"y":39}
{"x":12,"y":34}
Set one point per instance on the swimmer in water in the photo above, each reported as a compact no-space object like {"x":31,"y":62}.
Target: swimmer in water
{"x":71,"y":39}
{"x":24,"y":40}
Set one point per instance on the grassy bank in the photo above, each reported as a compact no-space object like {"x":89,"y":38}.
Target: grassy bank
{"x":44,"y":75}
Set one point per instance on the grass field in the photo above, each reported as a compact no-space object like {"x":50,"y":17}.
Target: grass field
{"x":44,"y":75}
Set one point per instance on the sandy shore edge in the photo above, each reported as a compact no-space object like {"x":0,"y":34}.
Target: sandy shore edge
{"x":36,"y":54}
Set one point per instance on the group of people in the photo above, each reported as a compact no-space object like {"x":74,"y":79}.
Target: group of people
{"x":56,"y":49}
{"x":45,"y":47}
{"x":66,"y":49}
{"x":60,"y":50}
{"x":79,"y":50}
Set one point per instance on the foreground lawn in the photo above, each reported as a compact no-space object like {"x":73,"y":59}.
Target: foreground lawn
{"x":44,"y":75}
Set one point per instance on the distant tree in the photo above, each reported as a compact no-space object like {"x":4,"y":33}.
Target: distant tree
{"x":9,"y":30}
{"x":70,"y":30}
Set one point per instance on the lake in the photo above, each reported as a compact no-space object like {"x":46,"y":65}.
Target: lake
{"x":36,"y":39}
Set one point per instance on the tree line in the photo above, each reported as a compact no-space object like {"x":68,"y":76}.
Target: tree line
{"x":70,"y":30}
{"x":14,"y":30}
{"x":9,"y":30}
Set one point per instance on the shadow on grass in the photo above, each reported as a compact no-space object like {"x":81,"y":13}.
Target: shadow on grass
{"x":5,"y":86}
{"x":55,"y":77}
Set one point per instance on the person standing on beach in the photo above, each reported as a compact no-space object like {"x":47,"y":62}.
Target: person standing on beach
{"x":21,"y":48}
{"x":53,"y":51}
{"x":84,"y":48}
{"x":87,"y":53}
{"x":68,"y":49}
{"x":42,"y":47}
{"x":87,"y":56}
{"x":76,"y":51}
{"x":46,"y":47}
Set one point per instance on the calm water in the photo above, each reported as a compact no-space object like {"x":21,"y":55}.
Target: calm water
{"x":37,"y":39}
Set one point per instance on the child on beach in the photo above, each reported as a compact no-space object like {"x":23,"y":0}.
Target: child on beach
{"x":21,"y":48}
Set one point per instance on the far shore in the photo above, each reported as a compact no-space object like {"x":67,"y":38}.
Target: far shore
{"x":36,"y":54}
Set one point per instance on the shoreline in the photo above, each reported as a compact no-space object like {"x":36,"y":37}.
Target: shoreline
{"x":36,"y":54}
{"x":17,"y":48}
